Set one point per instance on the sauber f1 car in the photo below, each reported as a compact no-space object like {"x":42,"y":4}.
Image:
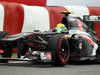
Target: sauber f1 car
{"x":75,"y":42}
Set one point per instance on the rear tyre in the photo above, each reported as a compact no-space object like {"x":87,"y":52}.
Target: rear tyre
{"x":58,"y":44}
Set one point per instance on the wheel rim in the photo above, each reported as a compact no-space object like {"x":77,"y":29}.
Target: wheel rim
{"x":80,"y":45}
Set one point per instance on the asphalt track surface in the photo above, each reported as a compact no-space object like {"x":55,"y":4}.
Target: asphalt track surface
{"x":24,"y":68}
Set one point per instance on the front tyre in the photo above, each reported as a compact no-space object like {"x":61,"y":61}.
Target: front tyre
{"x":58,"y":44}
{"x":7,"y":54}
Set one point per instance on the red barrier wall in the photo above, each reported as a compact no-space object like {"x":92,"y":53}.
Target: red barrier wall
{"x":96,"y":11}
{"x":28,"y":2}
{"x":13,"y":17}
{"x":55,"y":15}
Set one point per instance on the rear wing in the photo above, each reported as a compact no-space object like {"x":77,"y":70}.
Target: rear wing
{"x":89,"y":18}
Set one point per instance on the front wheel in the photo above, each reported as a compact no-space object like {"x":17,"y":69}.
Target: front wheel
{"x":7,"y":54}
{"x":59,"y":46}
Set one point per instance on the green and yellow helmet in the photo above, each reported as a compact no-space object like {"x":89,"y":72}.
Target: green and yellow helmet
{"x":60,"y":27}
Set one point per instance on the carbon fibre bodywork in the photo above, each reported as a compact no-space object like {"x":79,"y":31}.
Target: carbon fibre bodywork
{"x":74,"y":44}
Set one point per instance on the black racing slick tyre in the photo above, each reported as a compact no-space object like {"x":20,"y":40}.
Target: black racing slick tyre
{"x":7,"y":54}
{"x":58,"y":44}
{"x":98,"y":52}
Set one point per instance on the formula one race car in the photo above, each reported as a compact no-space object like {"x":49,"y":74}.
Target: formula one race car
{"x":73,"y":43}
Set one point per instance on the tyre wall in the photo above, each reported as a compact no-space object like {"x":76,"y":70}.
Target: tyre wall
{"x":28,"y":2}
{"x":16,"y":18}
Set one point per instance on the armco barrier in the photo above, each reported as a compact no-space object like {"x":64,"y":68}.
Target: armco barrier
{"x":16,"y":18}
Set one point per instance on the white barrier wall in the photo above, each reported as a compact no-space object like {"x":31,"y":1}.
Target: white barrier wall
{"x":35,"y":18}
{"x":16,"y":18}
{"x":1,"y":17}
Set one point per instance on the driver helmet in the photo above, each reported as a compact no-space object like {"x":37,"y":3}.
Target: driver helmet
{"x":60,"y":27}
